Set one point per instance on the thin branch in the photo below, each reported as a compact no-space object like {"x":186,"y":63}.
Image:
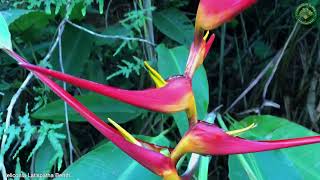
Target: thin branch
{"x":59,"y":38}
{"x":107,"y":13}
{"x":3,"y":169}
{"x":60,"y":32}
{"x":54,"y":45}
{"x":192,"y":165}
{"x":148,"y":30}
{"x":251,"y":85}
{"x":275,"y":63}
{"x":15,"y":98}
{"x":221,"y":59}
{"x":245,"y":42}
{"x":278,"y":61}
{"x":311,"y":104}
{"x":109,"y":36}
{"x":7,"y":123}
{"x":11,"y":105}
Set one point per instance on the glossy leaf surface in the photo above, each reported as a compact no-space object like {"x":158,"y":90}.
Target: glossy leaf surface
{"x":109,"y":162}
{"x":292,"y":163}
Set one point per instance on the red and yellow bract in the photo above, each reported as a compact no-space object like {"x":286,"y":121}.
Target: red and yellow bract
{"x":213,"y":13}
{"x":208,"y":139}
{"x":175,"y":96}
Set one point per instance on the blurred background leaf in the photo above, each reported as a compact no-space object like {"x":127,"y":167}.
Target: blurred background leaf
{"x":76,"y":48}
{"x":174,"y":24}
{"x":102,"y":106}
{"x":5,"y":38}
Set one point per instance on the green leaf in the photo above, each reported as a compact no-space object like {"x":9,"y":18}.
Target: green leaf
{"x":174,"y":24}
{"x":102,"y":106}
{"x":48,"y":130}
{"x":181,"y":119}
{"x":22,"y":20}
{"x":76,"y":11}
{"x":261,"y":49}
{"x":292,"y":163}
{"x":27,"y":129}
{"x":76,"y":48}
{"x":4,"y":85}
{"x":101,"y":3}
{"x":43,"y":157}
{"x":13,"y":14}
{"x":173,"y":62}
{"x":94,"y":71}
{"x":19,"y":171}
{"x":5,"y":37}
{"x":28,"y":25}
{"x":109,"y":162}
{"x":113,"y":30}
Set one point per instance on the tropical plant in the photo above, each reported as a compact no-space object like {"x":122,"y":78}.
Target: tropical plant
{"x":171,"y":95}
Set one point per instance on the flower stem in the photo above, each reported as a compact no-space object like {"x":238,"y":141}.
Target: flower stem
{"x":241,"y":157}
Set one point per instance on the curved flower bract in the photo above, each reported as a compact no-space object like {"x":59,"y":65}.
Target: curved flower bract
{"x":152,"y":160}
{"x":210,"y":15}
{"x":198,"y":53}
{"x":208,"y":139}
{"x":175,"y":96}
{"x":213,"y":13}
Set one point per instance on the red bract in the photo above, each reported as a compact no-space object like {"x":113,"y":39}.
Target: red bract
{"x":213,"y":13}
{"x":208,"y":139}
{"x":197,"y":54}
{"x":175,"y":96}
{"x":154,"y":161}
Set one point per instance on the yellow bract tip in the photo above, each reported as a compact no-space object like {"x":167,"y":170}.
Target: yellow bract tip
{"x":239,"y":131}
{"x":125,"y":133}
{"x":205,"y":37}
{"x":156,"y":77}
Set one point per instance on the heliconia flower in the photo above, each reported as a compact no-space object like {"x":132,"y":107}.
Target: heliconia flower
{"x":198,"y":53}
{"x":152,"y":160}
{"x":210,"y":15}
{"x":175,"y":94}
{"x":213,"y":13}
{"x":208,"y":139}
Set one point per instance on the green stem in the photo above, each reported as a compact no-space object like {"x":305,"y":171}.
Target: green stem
{"x":241,"y":157}
{"x":223,"y":35}
{"x":205,"y":160}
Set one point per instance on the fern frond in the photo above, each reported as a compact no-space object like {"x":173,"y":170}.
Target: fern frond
{"x":54,"y":139}
{"x":28,"y":130}
{"x":128,"y":68}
